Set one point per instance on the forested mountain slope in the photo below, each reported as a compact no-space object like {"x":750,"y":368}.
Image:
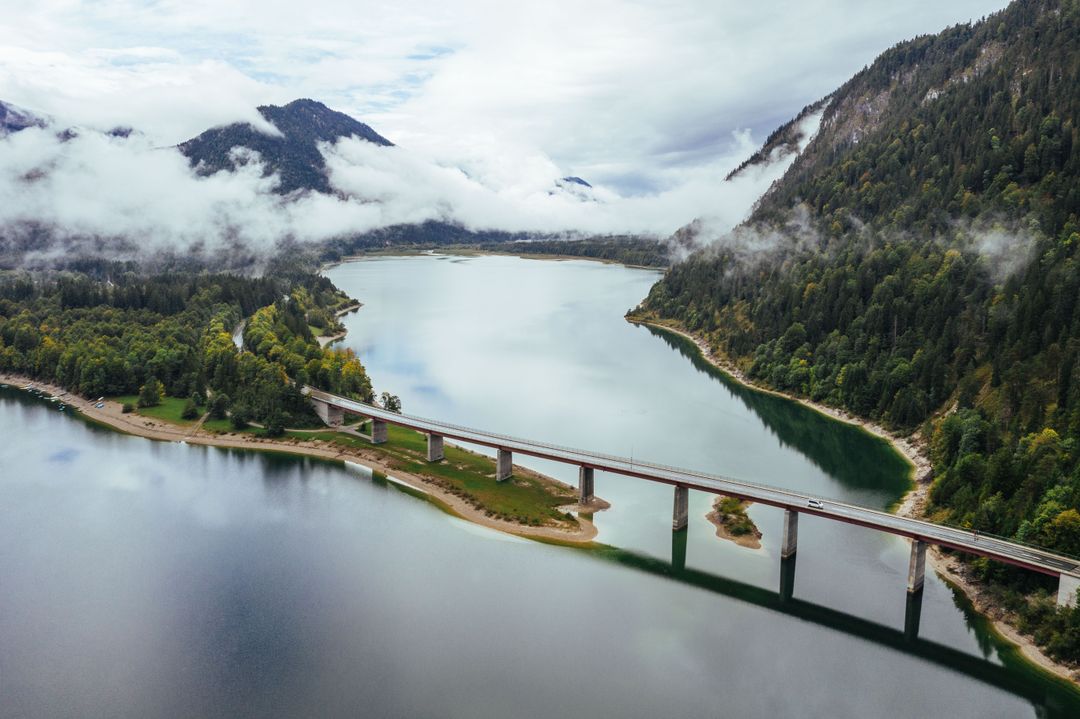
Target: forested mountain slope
{"x":918,"y":265}
{"x":293,"y":154}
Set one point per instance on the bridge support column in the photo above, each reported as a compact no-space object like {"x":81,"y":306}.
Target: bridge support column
{"x":912,"y":615}
{"x":790,"y":542}
{"x":585,"y":484}
{"x":435,"y":447}
{"x":787,"y":578}
{"x":330,"y":415}
{"x":1068,"y":584}
{"x":678,"y":550}
{"x":378,"y":431}
{"x":504,"y":465}
{"x":917,"y":566}
{"x":681,"y":516}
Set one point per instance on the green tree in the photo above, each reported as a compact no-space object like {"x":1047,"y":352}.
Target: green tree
{"x":219,"y":406}
{"x":150,"y":393}
{"x":191,"y":410}
{"x":391,"y":402}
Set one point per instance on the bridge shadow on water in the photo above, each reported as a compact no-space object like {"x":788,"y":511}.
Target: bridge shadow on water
{"x":1053,"y":698}
{"x":852,"y":456}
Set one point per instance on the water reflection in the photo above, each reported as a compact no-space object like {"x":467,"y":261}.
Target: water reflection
{"x":843,"y":451}
{"x":1055,"y":698}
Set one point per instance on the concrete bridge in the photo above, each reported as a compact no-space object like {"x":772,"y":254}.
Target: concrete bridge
{"x":332,"y":410}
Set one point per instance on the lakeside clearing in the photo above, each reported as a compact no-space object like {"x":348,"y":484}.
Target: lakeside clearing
{"x":911,"y":504}
{"x":529,"y":504}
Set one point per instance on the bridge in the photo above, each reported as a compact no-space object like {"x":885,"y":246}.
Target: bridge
{"x":332,"y":409}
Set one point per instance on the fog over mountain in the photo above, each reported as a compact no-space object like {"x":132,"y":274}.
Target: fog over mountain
{"x":299,"y":176}
{"x":491,"y":110}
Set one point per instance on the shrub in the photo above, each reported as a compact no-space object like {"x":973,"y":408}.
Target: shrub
{"x":219,"y":406}
{"x":240,"y":417}
{"x":150,"y":393}
{"x":191,"y":410}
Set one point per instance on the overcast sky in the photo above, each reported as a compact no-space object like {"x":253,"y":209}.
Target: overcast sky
{"x":644,"y":98}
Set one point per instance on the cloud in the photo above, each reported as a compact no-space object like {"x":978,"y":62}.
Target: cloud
{"x":615,"y":91}
{"x":652,"y":102}
{"x":124,"y":196}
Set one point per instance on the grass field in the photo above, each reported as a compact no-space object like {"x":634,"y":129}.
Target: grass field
{"x":169,"y":410}
{"x":523,"y":499}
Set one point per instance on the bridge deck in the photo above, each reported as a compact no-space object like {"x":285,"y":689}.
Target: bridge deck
{"x":964,"y":540}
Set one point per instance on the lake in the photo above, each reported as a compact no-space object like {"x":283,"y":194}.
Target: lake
{"x":147,"y":579}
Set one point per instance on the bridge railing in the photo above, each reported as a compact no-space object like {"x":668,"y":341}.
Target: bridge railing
{"x":797,"y":497}
{"x":1011,"y":540}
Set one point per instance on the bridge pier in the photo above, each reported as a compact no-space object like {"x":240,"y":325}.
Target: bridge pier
{"x":504,"y":465}
{"x":790,"y":542}
{"x":912,"y":615}
{"x":1068,"y":584}
{"x":917,"y":566}
{"x":331,"y":415}
{"x":678,"y":550}
{"x":585,"y":484}
{"x":378,"y":431}
{"x":787,"y":578}
{"x":435,"y":447}
{"x":681,"y":516}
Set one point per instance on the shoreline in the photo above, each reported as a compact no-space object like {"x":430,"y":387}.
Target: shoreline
{"x":159,"y":430}
{"x":464,"y":251}
{"x":325,"y":341}
{"x":752,"y":540}
{"x":910,"y":505}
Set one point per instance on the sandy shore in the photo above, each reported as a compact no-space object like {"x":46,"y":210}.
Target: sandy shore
{"x":750,"y":541}
{"x":324,"y":341}
{"x":111,"y":414}
{"x":911,"y":505}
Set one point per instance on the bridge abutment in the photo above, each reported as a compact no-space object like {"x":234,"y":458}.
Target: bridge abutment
{"x":585,"y":485}
{"x":331,"y":415}
{"x":790,"y":542}
{"x":504,"y":465}
{"x":917,"y":566}
{"x":378,"y":431}
{"x":435,"y":451}
{"x":1068,"y":584}
{"x":681,"y":516}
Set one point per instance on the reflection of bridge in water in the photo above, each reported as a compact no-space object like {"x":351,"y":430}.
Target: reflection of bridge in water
{"x":332,"y":408}
{"x":1054,"y":698}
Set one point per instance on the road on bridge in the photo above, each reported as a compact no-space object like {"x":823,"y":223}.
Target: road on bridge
{"x":965,"y":540}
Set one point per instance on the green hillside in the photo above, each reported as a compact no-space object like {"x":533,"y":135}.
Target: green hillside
{"x":918,"y":266}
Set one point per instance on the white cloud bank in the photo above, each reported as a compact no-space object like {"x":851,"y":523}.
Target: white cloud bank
{"x":490,"y":102}
{"x":98,"y":186}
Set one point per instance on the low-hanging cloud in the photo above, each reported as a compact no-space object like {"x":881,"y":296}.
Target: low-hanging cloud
{"x":122,"y":196}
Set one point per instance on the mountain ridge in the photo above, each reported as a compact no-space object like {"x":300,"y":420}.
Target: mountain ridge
{"x":919,"y":265}
{"x":293,"y":155}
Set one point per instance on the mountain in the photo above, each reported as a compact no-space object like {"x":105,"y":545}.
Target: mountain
{"x":919,"y":264}
{"x":13,"y":119}
{"x":980,"y":118}
{"x":787,"y":141}
{"x":294,"y":154}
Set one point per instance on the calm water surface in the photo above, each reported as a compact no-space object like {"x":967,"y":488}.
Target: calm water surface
{"x":142,"y":579}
